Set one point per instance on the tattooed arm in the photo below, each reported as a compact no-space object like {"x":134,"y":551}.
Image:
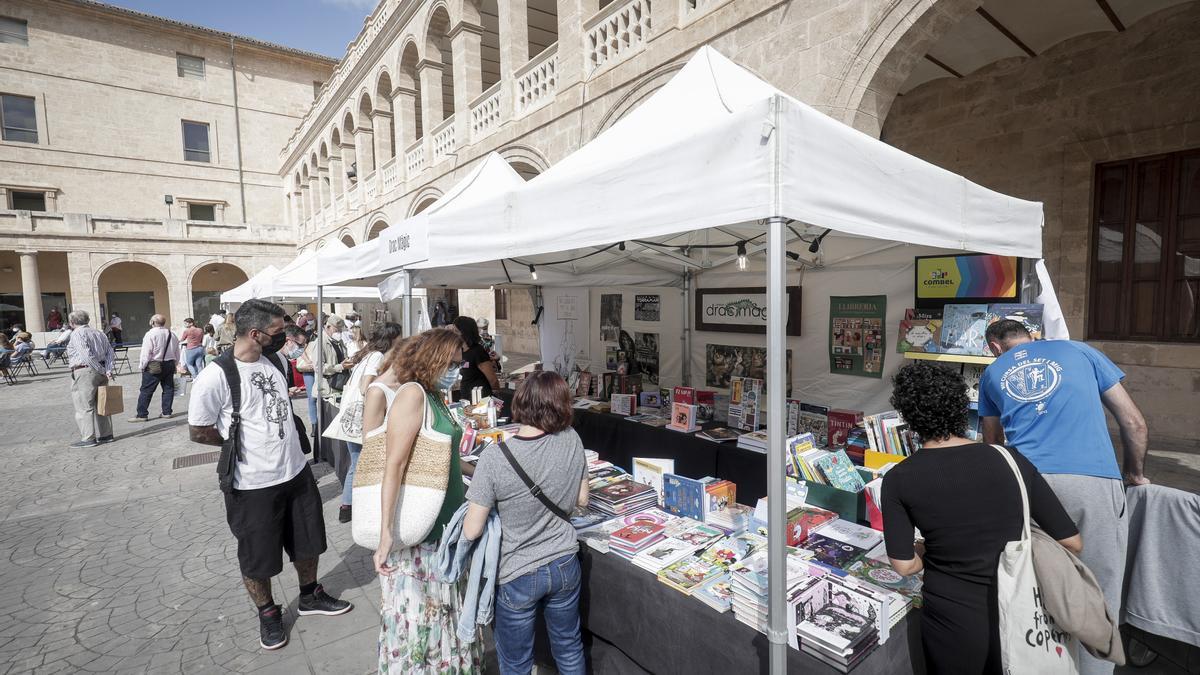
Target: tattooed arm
{"x":205,"y":435}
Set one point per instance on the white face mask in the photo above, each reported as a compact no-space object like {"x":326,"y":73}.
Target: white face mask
{"x":449,"y":378}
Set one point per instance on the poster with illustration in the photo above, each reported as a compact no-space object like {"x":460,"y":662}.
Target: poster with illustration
{"x":722,"y":363}
{"x":857,"y":336}
{"x":563,"y":330}
{"x":610,"y":317}
{"x":645,"y":351}
{"x":646,"y":308}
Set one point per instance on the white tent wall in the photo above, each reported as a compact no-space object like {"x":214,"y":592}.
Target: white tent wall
{"x":669,"y":329}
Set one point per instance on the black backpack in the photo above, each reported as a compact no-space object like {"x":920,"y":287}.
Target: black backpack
{"x":231,"y":450}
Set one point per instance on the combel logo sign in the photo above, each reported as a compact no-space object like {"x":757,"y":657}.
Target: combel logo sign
{"x":939,"y":277}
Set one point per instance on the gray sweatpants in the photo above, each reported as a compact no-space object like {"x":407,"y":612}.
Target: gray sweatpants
{"x":83,"y":395}
{"x":1097,"y":505}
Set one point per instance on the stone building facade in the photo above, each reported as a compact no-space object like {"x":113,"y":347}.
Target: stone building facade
{"x":1027,"y":98}
{"x":138,"y":160}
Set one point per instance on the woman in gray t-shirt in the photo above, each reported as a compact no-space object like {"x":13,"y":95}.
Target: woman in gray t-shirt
{"x":538,"y":565}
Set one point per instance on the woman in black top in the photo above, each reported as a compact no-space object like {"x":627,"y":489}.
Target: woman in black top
{"x":964,"y":499}
{"x":477,"y":367}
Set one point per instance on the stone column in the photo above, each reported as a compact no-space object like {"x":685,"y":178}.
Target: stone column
{"x":298,"y":210}
{"x":323,"y":184}
{"x":31,"y":288}
{"x":364,"y":150}
{"x":84,"y":294}
{"x":314,"y":196}
{"x":571,"y":15}
{"x":430,"y":73}
{"x":465,"y":43}
{"x":337,"y":176}
{"x":305,"y":206}
{"x":179,"y":292}
{"x":348,"y":158}
{"x":514,"y":37}
{"x":404,"y":102}
{"x":52,"y":202}
{"x":381,"y":129}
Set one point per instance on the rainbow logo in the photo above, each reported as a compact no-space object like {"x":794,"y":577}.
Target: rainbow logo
{"x":967,"y":276}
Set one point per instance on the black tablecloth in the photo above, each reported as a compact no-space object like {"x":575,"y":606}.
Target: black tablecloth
{"x":664,"y":631}
{"x":618,"y":440}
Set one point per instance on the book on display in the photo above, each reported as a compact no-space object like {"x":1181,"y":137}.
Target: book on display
{"x":828,"y":551}
{"x":733,"y":518}
{"x":632,"y":539}
{"x":705,"y":405}
{"x":624,"y":404}
{"x":689,"y":573}
{"x":839,"y":471}
{"x":716,"y":593}
{"x":663,"y":553}
{"x":684,"y":418}
{"x":718,"y":495}
{"x":698,"y":535}
{"x":972,"y":373}
{"x":757,"y":441}
{"x":882,"y":575}
{"x":684,"y":395}
{"x":918,"y":335}
{"x":623,"y":496}
{"x":650,"y":471}
{"x":731,"y":550}
{"x":597,"y":536}
{"x":851,"y":533}
{"x":1029,"y":315}
{"x":841,"y":421}
{"x":814,"y":419}
{"x":683,"y":496}
{"x":804,"y":521}
{"x":718,"y":435}
{"x":963,"y":330}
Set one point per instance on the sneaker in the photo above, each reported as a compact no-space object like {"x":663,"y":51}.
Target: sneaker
{"x":270,"y":628}
{"x":167,"y":416}
{"x":104,"y":439}
{"x":139,"y":419}
{"x":84,"y":444}
{"x":344,"y":514}
{"x":320,"y":602}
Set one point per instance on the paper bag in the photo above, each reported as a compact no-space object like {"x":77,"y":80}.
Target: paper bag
{"x":109,"y":400}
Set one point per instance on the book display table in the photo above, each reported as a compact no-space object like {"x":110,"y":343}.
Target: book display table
{"x":618,"y":440}
{"x":664,"y":631}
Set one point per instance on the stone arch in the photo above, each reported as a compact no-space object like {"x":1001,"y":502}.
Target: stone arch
{"x":486,"y":15}
{"x":378,"y":223}
{"x":207,"y":281}
{"x":383,"y":122}
{"x":410,"y":84}
{"x":526,"y":160}
{"x":423,"y":199}
{"x":348,"y":124}
{"x":862,"y":92}
{"x":642,"y":89}
{"x":346,"y":237}
{"x":123,"y":284}
{"x":438,"y":50}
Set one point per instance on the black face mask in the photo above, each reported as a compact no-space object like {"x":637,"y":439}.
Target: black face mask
{"x":277,"y":342}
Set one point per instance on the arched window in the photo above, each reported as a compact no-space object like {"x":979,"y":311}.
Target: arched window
{"x":413,"y":125}
{"x":437,"y":48}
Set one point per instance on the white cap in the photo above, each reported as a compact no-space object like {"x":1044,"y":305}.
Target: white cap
{"x":303,"y":311}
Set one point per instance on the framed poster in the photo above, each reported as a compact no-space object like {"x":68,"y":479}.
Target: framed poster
{"x":742,"y":310}
{"x":970,"y":278}
{"x":646,"y":307}
{"x":645,"y":355}
{"x":857,"y":335}
{"x":722,"y":363}
{"x":610,"y":317}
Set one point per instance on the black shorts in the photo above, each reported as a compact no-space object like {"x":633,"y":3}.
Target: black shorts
{"x":270,"y":520}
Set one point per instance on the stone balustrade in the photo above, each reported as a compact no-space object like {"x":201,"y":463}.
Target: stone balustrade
{"x":537,"y":82}
{"x":444,"y":141}
{"x":414,"y":157}
{"x":390,"y":175}
{"x":616,"y":32}
{"x":486,"y":112}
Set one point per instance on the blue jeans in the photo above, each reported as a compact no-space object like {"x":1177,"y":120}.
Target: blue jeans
{"x":166,"y":380}
{"x":194,"y":360}
{"x":348,"y":488}
{"x":310,"y":387}
{"x":554,"y":587}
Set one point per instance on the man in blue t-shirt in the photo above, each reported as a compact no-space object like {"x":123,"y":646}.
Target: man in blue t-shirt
{"x":1048,"y":398}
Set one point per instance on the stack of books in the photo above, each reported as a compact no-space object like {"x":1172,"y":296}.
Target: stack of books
{"x":716,"y":593}
{"x":835,"y":554}
{"x":749,"y":586}
{"x":683,"y":496}
{"x":732,"y":518}
{"x":822,"y":466}
{"x":631,"y":540}
{"x":851,"y":533}
{"x":622,"y":497}
{"x":755,"y":440}
{"x":888,"y":432}
{"x":690,"y":573}
{"x":718,"y":435}
{"x":838,"y":637}
{"x":732,"y":550}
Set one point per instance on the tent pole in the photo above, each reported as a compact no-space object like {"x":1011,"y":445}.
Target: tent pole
{"x":319,"y":369}
{"x":686,"y":336}
{"x":776,"y":484}
{"x":406,"y":305}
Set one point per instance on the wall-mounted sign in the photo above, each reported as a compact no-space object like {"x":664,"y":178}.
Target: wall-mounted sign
{"x":857,"y":334}
{"x":967,"y":278}
{"x":404,"y":243}
{"x":742,"y":310}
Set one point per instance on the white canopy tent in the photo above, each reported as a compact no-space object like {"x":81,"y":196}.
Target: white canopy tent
{"x":718,"y":157}
{"x":251,"y":287}
{"x":300,"y":278}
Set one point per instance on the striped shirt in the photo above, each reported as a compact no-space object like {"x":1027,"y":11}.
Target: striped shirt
{"x":90,"y":347}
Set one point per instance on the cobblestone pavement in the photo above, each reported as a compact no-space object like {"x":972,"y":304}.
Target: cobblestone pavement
{"x":112,"y":561}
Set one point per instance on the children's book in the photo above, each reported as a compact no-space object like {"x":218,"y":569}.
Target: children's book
{"x":732,"y":550}
{"x":683,"y":496}
{"x":705,"y":404}
{"x":717,"y":496}
{"x":683,"y":418}
{"x":881,"y":574}
{"x":851,"y":533}
{"x":805,"y":520}
{"x":814,"y":419}
{"x":715,"y":593}
{"x":918,"y":335}
{"x":650,"y":470}
{"x":698,"y":536}
{"x":839,"y":471}
{"x":649,"y":399}
{"x":633,"y":536}
{"x":963,"y":330}
{"x":665,"y":552}
{"x":688,"y":574}
{"x":831,"y":552}
{"x":1028,"y":314}
{"x":683,"y":395}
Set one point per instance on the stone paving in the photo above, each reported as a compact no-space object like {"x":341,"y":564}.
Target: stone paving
{"x":115,"y":562}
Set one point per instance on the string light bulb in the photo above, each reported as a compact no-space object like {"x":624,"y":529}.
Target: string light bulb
{"x":741,"y":251}
{"x":533,"y":272}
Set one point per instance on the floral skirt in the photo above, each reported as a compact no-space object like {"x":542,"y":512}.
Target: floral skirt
{"x":420,"y":620}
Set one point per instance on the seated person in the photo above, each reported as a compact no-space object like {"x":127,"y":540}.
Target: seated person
{"x":23,"y":346}
{"x":57,"y":347}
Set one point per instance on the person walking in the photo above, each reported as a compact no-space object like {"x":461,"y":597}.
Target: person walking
{"x":90,"y":356}
{"x":1048,"y":397}
{"x":419,"y":613}
{"x":963,"y":497}
{"x":539,"y":568}
{"x":114,"y":327}
{"x":160,"y":353}
{"x":274,"y":504}
{"x":193,"y":344}
{"x":217,"y":319}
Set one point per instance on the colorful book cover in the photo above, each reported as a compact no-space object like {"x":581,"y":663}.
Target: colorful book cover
{"x":716,"y":593}
{"x":683,"y":417}
{"x":796,"y":446}
{"x":814,"y":419}
{"x":718,"y":496}
{"x":732,"y":550}
{"x":683,"y":395}
{"x":637,"y":534}
{"x":683,"y":496}
{"x":840,"y":423}
{"x":803,"y":521}
{"x":918,"y":335}
{"x":752,"y":571}
{"x":584,"y":387}
{"x":650,"y":470}
{"x":881,"y":574}
{"x":624,"y":404}
{"x":649,"y":399}
{"x":655,"y":516}
{"x":688,"y":574}
{"x":706,"y":403}
{"x":1028,"y":314}
{"x":851,"y":533}
{"x":840,"y":471}
{"x":831,"y":552}
{"x":963,"y":330}
{"x":621,"y":491}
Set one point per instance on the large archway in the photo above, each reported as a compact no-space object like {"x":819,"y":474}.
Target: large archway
{"x":376,"y":229}
{"x":135,"y":291}
{"x":209,"y":281}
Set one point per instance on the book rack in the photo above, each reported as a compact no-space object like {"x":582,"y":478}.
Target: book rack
{"x":952,"y":358}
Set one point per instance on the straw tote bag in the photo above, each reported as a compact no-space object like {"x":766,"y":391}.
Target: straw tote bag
{"x":422,"y":489}
{"x":1030,"y":640}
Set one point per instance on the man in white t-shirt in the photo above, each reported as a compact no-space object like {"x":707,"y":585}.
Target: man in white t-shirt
{"x":217,"y":319}
{"x":274,"y":504}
